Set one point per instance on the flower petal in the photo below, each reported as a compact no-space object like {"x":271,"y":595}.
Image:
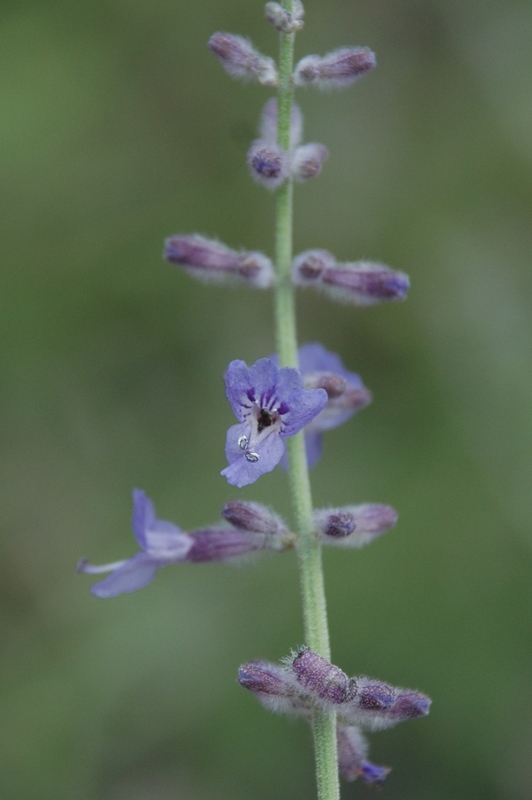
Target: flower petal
{"x":304,"y":406}
{"x":143,"y":516}
{"x":242,"y":472}
{"x":159,"y":538}
{"x":134,"y":574}
{"x":237,"y":384}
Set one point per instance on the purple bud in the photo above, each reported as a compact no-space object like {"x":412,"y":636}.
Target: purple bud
{"x":364,"y":284}
{"x":335,"y":70}
{"x":268,"y":123}
{"x":274,"y":686}
{"x":268,"y":163}
{"x":308,"y":267}
{"x":352,"y":763}
{"x":307,"y":161}
{"x":352,"y":749}
{"x":240,"y":59}
{"x":334,"y":385}
{"x":322,"y":678}
{"x":210,"y":260}
{"x":249,"y":516}
{"x":354,"y":526}
{"x":223,"y":544}
{"x":378,"y":705}
{"x":285,"y":21}
{"x":409,"y":705}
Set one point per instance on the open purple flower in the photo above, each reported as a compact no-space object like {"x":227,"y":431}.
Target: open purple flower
{"x":270,"y":404}
{"x":163,"y":543}
{"x":346,"y":393}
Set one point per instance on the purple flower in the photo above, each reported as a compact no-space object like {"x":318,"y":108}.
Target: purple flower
{"x":163,"y":543}
{"x":346,"y":393}
{"x":270,"y":404}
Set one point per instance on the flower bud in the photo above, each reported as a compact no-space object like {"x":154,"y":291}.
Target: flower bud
{"x":307,"y":161}
{"x":364,"y":284}
{"x":223,"y":544}
{"x":353,"y":526}
{"x":273,"y":685}
{"x":240,"y":59}
{"x":334,"y":385}
{"x":268,"y":163}
{"x":322,"y":678}
{"x":285,"y":21}
{"x":352,"y":763}
{"x":378,"y":705}
{"x":268,"y":123}
{"x":308,"y":267}
{"x":335,"y":70}
{"x":212,"y":261}
{"x":250,"y":516}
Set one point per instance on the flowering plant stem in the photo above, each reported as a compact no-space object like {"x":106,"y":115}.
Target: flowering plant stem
{"x":308,"y":548}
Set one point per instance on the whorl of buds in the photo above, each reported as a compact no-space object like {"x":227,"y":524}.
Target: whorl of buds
{"x":285,"y":21}
{"x":361,"y":283}
{"x":268,"y":163}
{"x":240,"y":59}
{"x":307,"y":161}
{"x":210,"y":260}
{"x":335,"y":70}
{"x":353,"y":526}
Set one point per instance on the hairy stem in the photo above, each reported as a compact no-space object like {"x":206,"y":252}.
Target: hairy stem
{"x":308,"y":548}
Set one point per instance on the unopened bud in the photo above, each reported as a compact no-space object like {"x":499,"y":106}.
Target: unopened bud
{"x":250,"y":516}
{"x":334,"y":385}
{"x":378,"y":705}
{"x":308,"y":160}
{"x":268,"y":163}
{"x":273,"y":685}
{"x":268,"y":123}
{"x":285,"y":21}
{"x":364,"y":283}
{"x":353,"y":526}
{"x":322,"y":678}
{"x":223,"y":544}
{"x":335,"y":70}
{"x":240,"y":59}
{"x":308,"y":267}
{"x":212,"y":261}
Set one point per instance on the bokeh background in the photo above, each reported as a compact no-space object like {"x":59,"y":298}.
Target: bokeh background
{"x":118,"y":128}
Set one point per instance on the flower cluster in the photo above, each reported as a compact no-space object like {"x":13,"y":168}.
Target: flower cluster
{"x":273,"y":402}
{"x":307,"y":682}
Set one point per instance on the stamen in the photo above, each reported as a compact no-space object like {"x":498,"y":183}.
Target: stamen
{"x":251,"y":457}
{"x":243,"y":442}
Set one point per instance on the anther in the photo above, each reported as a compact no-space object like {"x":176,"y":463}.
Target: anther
{"x":251,"y":457}
{"x":243,"y":442}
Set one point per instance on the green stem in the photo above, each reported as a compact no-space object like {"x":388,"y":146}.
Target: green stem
{"x":308,"y":548}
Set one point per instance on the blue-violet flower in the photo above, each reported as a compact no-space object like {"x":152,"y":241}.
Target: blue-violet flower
{"x":270,"y":405}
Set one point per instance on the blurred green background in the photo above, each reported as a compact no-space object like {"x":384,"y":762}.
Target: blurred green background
{"x":119,"y":128}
